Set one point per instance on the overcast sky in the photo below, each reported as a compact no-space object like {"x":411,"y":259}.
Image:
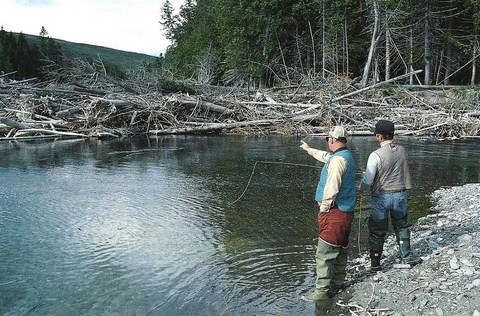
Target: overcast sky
{"x":130,"y":25}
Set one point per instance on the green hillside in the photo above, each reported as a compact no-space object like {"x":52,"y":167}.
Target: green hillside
{"x":124,"y":60}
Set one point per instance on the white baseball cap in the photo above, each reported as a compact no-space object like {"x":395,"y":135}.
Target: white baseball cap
{"x":338,"y":132}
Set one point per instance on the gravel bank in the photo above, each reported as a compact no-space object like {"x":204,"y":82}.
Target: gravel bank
{"x":448,"y":280}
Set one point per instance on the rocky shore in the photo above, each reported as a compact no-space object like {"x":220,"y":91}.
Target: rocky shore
{"x":447,"y":282}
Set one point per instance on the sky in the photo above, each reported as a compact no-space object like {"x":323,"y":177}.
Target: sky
{"x":129,"y":25}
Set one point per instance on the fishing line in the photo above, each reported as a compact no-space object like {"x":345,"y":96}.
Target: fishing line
{"x":269,"y":162}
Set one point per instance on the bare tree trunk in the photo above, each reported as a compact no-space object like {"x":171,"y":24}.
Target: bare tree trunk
{"x":474,"y":61}
{"x":345,"y":36}
{"x":283,"y":60}
{"x":335,"y":56}
{"x":410,"y":60}
{"x":439,"y":67}
{"x":427,"y":51}
{"x":448,"y":57}
{"x":324,"y":59}
{"x":376,"y":71}
{"x":373,"y":44}
{"x":313,"y":46}
{"x":299,"y":51}
{"x":387,"y":53}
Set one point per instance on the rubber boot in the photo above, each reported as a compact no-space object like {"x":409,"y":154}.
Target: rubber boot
{"x":375,"y":257}
{"x":376,"y":239}
{"x":403,"y":239}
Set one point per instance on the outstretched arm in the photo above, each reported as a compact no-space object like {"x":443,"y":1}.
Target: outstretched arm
{"x":319,"y":155}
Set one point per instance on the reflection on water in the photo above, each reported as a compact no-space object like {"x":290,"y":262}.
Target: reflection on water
{"x":148,"y":227}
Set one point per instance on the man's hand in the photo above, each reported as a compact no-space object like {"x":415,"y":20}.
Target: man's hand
{"x":362,"y":187}
{"x":304,"y":145}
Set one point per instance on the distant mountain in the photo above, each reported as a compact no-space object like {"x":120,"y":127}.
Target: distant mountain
{"x":124,"y":60}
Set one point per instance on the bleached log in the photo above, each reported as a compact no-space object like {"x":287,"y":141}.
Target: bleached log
{"x":26,"y":138}
{"x":204,"y":104}
{"x":211,"y":127}
{"x":68,"y":112}
{"x":426,"y":128}
{"x":14,"y":124}
{"x":47,"y":131}
{"x":473,"y":114}
{"x":116,"y":102}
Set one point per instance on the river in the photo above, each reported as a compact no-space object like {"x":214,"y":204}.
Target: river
{"x":179,"y":225}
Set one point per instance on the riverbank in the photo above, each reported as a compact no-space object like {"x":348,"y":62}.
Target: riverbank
{"x":447,"y":282}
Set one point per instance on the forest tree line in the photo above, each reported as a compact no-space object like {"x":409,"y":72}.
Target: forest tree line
{"x":22,"y":59}
{"x":41,"y":57}
{"x":281,"y":42}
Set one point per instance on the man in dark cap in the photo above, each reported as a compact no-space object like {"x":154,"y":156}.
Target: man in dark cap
{"x":387,"y":176}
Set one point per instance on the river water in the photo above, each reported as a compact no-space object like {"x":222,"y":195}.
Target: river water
{"x":179,"y":225}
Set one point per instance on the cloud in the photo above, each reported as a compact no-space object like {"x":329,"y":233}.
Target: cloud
{"x":35,"y":2}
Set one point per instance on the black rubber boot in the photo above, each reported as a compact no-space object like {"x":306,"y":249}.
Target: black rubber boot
{"x":375,"y":257}
{"x":402,"y":233}
{"x":403,"y":240}
{"x":376,"y":238}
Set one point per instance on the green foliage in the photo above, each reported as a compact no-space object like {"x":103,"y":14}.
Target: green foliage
{"x":255,"y":40}
{"x":474,"y":7}
{"x":18,"y":57}
{"x":27,"y":54}
{"x":273,"y":41}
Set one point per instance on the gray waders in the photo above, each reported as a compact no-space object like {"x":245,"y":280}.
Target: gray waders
{"x":331,"y":266}
{"x":330,"y":273}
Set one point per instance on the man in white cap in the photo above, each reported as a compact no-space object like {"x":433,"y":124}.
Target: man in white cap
{"x":335,"y":195}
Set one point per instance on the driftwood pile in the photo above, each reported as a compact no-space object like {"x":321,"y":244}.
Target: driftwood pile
{"x":84,"y":102}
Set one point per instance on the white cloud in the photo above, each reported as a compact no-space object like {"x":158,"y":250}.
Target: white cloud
{"x":120,"y":24}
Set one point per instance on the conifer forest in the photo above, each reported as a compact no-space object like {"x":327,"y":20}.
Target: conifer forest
{"x":271,"y":42}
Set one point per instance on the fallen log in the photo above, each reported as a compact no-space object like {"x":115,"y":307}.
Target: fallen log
{"x":14,"y":124}
{"x":211,"y":127}
{"x":68,"y":112}
{"x":426,"y":128}
{"x":115,"y":102}
{"x":47,"y":131}
{"x":206,"y":105}
{"x":27,"y":138}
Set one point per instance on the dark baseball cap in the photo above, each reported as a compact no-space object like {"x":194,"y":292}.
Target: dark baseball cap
{"x":384,"y":127}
